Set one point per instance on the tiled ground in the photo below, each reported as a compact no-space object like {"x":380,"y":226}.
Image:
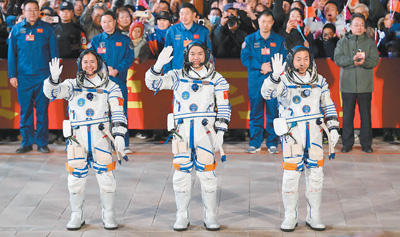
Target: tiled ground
{"x":361,"y":194}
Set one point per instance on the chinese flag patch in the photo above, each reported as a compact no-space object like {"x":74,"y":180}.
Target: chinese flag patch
{"x":118,"y":43}
{"x":272,"y":44}
{"x":120,"y":102}
{"x":226,"y":95}
{"x":39,"y":30}
{"x":196,"y":36}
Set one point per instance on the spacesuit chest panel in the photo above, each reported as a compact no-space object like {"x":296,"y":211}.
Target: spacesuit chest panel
{"x":88,"y":106}
{"x":193,"y":97}
{"x":304,"y":99}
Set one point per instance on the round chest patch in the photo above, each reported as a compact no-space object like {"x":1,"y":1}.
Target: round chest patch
{"x":89,"y":112}
{"x":90,"y":96}
{"x":305,"y":93}
{"x":193,"y":107}
{"x":185,"y":95}
{"x":195,"y":87}
{"x":306,"y":109}
{"x":81,"y":102}
{"x":296,"y":99}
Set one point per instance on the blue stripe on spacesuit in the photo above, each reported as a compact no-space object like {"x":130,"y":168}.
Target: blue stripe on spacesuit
{"x":96,"y":148}
{"x":177,"y":157}
{"x":115,"y":97}
{"x":196,"y":81}
{"x":205,"y":149}
{"x":302,"y":86}
{"x":199,"y":166}
{"x":80,"y":172}
{"x":89,"y":155}
{"x":315,"y":144}
{"x":307,"y":145}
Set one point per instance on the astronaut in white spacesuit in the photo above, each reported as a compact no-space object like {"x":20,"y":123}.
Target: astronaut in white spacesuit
{"x":199,"y":92}
{"x":304,"y":100}
{"x":91,"y":98}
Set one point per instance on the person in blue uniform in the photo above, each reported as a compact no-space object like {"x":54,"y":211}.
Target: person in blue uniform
{"x":182,"y":34}
{"x":156,"y":40}
{"x":257,"y":51}
{"x":115,"y":50}
{"x":31,"y":46}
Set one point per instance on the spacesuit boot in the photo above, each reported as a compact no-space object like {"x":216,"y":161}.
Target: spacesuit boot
{"x":182,"y":187}
{"x":290,"y":202}
{"x":108,"y":213}
{"x":313,"y":219}
{"x":77,"y":217}
{"x":209,"y":195}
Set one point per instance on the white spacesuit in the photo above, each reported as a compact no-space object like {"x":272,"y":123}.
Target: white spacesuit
{"x":304,"y":100}
{"x":198,"y":93}
{"x":91,"y":99}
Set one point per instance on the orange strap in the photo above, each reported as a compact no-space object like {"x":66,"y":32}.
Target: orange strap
{"x":289,"y":166}
{"x":320,"y":163}
{"x":70,"y":169}
{"x":111,"y":166}
{"x":210,"y":167}
{"x":177,"y":166}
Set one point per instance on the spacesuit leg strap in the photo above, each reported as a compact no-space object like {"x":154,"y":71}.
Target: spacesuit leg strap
{"x":205,"y":160}
{"x":77,"y":164}
{"x":316,"y":156}
{"x":295,"y":163}
{"x":103,"y":161}
{"x":183,"y":163}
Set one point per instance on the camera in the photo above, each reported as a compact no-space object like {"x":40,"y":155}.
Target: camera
{"x":200,"y":22}
{"x":232,"y":20}
{"x":239,"y":5}
{"x":142,"y":13}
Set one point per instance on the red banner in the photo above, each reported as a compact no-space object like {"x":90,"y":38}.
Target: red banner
{"x":149,"y":111}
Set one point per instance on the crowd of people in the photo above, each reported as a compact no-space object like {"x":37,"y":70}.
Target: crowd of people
{"x":129,"y":32}
{"x":316,"y":24}
{"x":108,"y":37}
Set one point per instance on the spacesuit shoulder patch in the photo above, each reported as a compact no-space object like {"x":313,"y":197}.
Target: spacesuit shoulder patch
{"x":120,"y":101}
{"x":226,"y":95}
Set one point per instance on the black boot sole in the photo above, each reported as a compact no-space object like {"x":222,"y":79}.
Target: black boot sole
{"x":182,"y":229}
{"x":78,"y":228}
{"x":317,"y":229}
{"x":211,"y":229}
{"x":290,"y":230}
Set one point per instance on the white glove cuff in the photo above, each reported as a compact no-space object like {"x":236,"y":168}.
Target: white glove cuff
{"x":275,"y":78}
{"x":54,"y":81}
{"x":332,"y":123}
{"x":156,"y":69}
{"x":119,"y":130}
{"x":221,"y":126}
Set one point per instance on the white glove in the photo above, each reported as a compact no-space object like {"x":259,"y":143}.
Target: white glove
{"x":334,"y":137}
{"x":164,"y":58}
{"x":220,"y":136}
{"x":277,"y":65}
{"x":119,"y":143}
{"x":55,"y":70}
